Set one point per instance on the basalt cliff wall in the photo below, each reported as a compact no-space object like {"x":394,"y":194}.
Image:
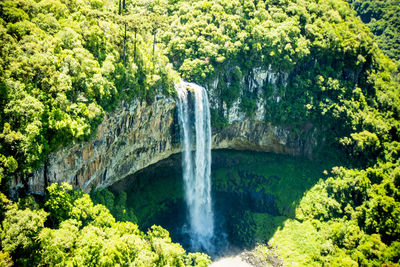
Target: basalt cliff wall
{"x":139,"y":134}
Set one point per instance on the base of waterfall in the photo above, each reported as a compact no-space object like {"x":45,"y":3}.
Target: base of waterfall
{"x":250,"y":200}
{"x":249,"y":258}
{"x":231,"y":261}
{"x":262,"y":255}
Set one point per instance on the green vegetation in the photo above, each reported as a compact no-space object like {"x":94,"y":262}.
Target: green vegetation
{"x":321,"y":53}
{"x":383,"y":18}
{"x":117,"y":204}
{"x":265,"y":190}
{"x":69,"y":230}
{"x":337,"y":79}
{"x":284,"y":177}
{"x":64,"y":63}
{"x":350,"y":219}
{"x":141,"y":202}
{"x":347,"y":217}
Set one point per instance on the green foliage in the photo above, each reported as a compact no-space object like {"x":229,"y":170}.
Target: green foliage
{"x":229,"y":94}
{"x":5,"y":259}
{"x":383,"y":18}
{"x":20,"y":229}
{"x":268,"y":173}
{"x":117,"y":205}
{"x":248,"y":105}
{"x":84,"y":235}
{"x":349,"y":218}
{"x":5,"y":205}
{"x":244,"y":229}
{"x":318,"y":51}
{"x":147,"y":200}
{"x":63,"y":63}
{"x":217,"y":121}
{"x":60,"y":201}
{"x":266,"y":189}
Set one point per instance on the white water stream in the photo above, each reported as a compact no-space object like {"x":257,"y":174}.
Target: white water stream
{"x":196,"y":166}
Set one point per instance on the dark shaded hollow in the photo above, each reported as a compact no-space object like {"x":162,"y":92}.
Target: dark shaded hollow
{"x":246,"y":186}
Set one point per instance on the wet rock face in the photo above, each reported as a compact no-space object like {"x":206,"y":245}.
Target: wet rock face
{"x":139,"y":134}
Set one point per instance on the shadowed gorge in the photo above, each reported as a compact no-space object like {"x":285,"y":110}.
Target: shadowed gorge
{"x":253,"y":192}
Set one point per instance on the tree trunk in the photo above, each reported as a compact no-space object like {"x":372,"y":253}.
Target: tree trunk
{"x":125,"y":46}
{"x":119,"y":7}
{"x":154,"y":42}
{"x":134,"y":51}
{"x":123,"y":5}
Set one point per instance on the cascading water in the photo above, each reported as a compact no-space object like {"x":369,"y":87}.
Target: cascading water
{"x":197,"y":167}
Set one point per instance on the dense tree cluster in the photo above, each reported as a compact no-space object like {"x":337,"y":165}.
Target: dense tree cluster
{"x":330,"y":73}
{"x":117,"y":204}
{"x":68,"y":230}
{"x":63,"y":63}
{"x":351,"y":219}
{"x":319,"y":50}
{"x":383,"y":18}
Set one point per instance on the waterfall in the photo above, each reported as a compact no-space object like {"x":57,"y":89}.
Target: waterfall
{"x":196,"y":166}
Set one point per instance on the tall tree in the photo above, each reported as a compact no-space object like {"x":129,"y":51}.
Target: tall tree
{"x":125,"y":45}
{"x":157,"y":21}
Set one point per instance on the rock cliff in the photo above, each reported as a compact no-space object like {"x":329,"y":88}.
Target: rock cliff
{"x":139,"y":134}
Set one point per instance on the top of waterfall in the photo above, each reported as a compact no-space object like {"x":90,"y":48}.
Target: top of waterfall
{"x":183,"y":87}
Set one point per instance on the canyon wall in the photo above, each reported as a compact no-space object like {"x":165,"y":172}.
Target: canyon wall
{"x":139,"y":134}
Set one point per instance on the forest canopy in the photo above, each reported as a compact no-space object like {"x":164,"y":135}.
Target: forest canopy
{"x":64,"y":63}
{"x":383,"y":18}
{"x":70,"y":230}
